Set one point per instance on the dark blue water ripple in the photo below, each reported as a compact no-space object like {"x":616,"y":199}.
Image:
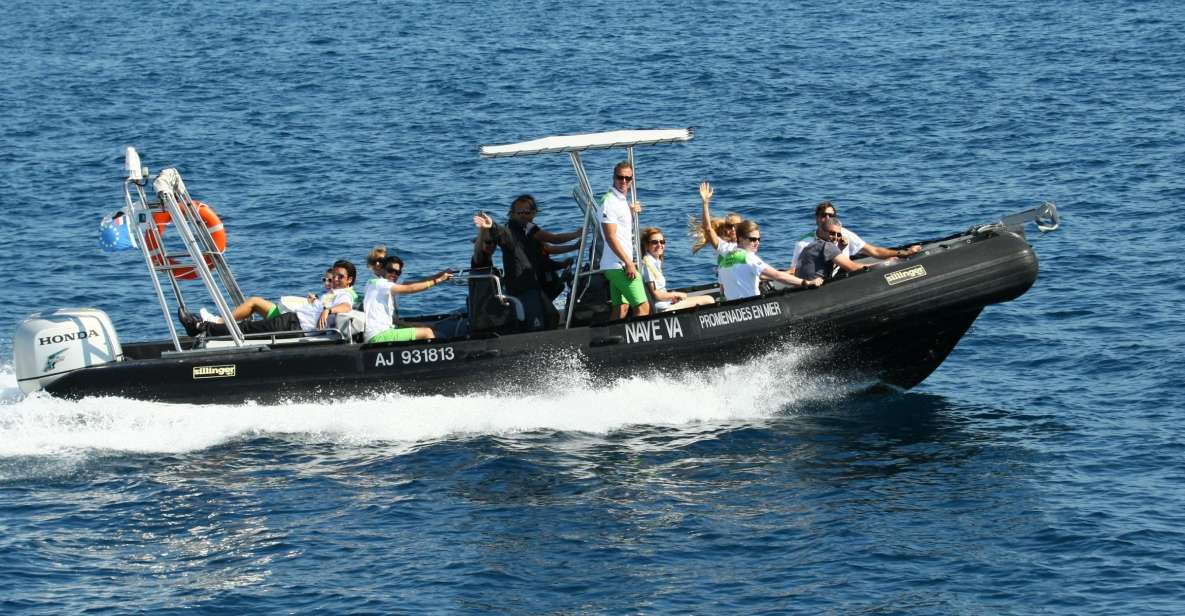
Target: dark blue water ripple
{"x":1038,"y":471}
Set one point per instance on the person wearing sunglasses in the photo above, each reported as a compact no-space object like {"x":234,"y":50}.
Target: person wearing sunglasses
{"x":626,"y":289}
{"x":824,"y":254}
{"x":310,"y":316}
{"x":529,"y":272}
{"x":655,"y":246}
{"x":379,"y":303}
{"x":374,"y":260}
{"x":852,"y":245}
{"x":725,"y":230}
{"x":738,"y":268}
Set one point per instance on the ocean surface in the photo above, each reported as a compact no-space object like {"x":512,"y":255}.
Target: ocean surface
{"x":1040,"y":470}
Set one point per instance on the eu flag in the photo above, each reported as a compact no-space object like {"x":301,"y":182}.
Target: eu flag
{"x":115,"y":232}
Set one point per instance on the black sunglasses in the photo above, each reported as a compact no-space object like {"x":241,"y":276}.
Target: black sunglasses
{"x":326,"y":279}
{"x":754,"y":238}
{"x":395,"y":271}
{"x":828,"y":214}
{"x":663,"y":242}
{"x":624,"y":178}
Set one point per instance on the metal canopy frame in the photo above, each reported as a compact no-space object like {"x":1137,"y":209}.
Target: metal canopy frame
{"x":201,"y":253}
{"x":573,"y":145}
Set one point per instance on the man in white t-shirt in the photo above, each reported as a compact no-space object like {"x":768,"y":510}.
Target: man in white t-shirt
{"x":379,"y":303}
{"x":852,"y":245}
{"x":308,"y":316}
{"x":626,"y":289}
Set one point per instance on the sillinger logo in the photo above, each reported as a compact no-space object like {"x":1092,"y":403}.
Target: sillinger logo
{"x":905,"y":275}
{"x":52,"y":360}
{"x":213,"y":372}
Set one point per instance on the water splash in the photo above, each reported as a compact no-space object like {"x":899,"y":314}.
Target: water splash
{"x":41,"y":425}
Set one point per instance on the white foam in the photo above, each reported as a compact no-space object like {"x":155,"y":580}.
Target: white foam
{"x":40,"y":425}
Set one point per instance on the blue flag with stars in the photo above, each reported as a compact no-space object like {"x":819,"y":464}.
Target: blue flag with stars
{"x":115,"y":232}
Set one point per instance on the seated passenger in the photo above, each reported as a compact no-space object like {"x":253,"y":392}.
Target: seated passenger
{"x":528,"y":271}
{"x":327,"y":281}
{"x":308,"y":317}
{"x":379,"y":303}
{"x":820,"y":257}
{"x":852,"y":245}
{"x":655,"y":246}
{"x":739,"y":269}
{"x":725,"y":230}
{"x":374,"y":260}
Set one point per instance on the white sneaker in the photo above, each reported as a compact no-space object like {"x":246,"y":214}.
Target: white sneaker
{"x":209,"y":317}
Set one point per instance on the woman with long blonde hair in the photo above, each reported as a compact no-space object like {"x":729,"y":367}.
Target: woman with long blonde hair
{"x":725,"y":229}
{"x":738,"y":268}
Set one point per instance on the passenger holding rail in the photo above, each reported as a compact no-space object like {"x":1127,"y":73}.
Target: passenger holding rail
{"x":820,"y":257}
{"x":852,"y":245}
{"x":739,"y":269}
{"x":655,"y":246}
{"x":626,"y":289}
{"x":379,"y":303}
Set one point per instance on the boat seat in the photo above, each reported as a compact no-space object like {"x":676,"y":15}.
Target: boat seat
{"x":486,"y":312}
{"x":352,"y":324}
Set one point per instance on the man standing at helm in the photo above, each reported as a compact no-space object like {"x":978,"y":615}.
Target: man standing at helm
{"x":626,"y":289}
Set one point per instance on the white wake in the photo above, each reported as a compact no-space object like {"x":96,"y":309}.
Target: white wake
{"x":40,"y":425}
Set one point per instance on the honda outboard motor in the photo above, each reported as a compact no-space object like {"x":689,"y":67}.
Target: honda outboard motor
{"x":50,"y":344}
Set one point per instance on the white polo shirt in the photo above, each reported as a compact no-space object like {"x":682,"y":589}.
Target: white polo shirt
{"x":615,"y":209}
{"x":310,"y":314}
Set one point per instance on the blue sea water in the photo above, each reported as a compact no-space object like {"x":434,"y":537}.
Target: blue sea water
{"x":1038,"y":471}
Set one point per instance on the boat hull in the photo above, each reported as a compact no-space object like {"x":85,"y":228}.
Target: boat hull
{"x":891,"y":325}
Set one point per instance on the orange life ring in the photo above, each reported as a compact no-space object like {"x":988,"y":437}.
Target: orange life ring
{"x":213,"y":225}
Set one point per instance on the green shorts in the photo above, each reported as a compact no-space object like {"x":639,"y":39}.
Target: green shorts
{"x":622,"y":290}
{"x":273,"y":313}
{"x":395,"y":334}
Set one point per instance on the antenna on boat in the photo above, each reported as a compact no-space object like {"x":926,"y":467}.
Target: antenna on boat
{"x":202,"y":258}
{"x":131,"y":162}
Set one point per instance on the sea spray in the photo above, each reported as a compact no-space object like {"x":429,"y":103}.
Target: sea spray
{"x":573,"y":400}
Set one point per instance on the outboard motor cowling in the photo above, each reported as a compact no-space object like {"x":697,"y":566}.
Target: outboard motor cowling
{"x":50,"y":344}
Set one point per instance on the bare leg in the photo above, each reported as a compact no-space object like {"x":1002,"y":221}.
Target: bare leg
{"x":253,"y":305}
{"x":425,"y":333}
{"x":640,"y":310}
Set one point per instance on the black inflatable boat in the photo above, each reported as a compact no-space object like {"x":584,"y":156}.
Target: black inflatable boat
{"x":893,"y":324}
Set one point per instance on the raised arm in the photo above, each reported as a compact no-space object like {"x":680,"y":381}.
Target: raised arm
{"x":705,"y":195}
{"x":483,"y":245}
{"x":422,"y":285}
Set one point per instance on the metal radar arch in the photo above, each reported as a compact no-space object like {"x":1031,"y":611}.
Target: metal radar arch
{"x":591,"y":241}
{"x":202,"y":257}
